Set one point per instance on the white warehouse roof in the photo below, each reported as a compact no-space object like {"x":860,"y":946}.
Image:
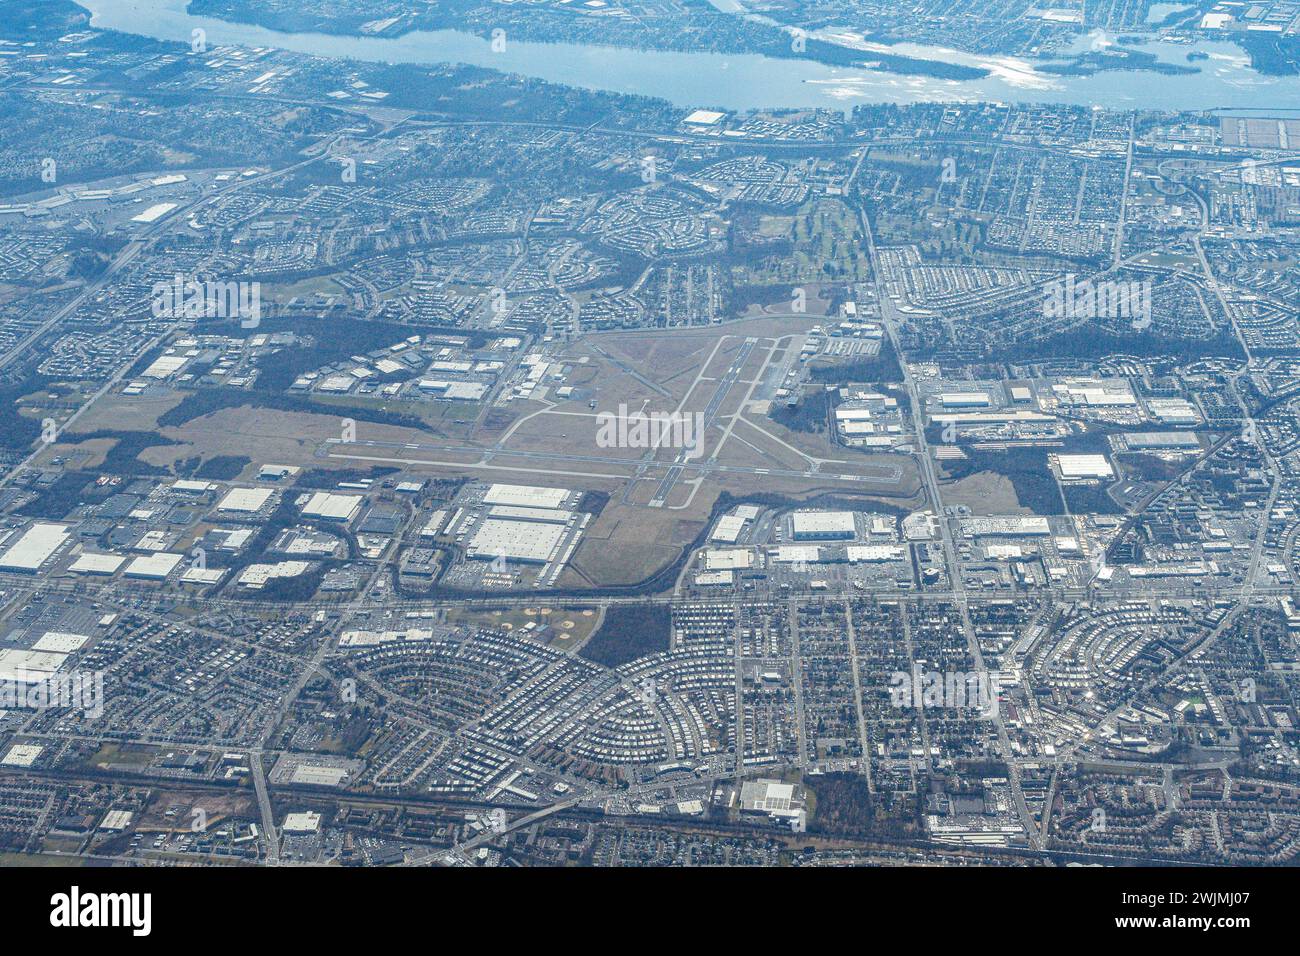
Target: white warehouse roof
{"x":723,"y":559}
{"x":530,"y":541}
{"x":34,"y":548}
{"x":837,"y":523}
{"x":527,"y":496}
{"x":245,"y":499}
{"x":89,"y":563}
{"x":155,"y":566}
{"x":1085,"y":466}
{"x":333,"y":507}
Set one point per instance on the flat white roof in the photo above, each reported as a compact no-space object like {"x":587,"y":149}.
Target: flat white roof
{"x":530,"y":541}
{"x":191,"y":486}
{"x":874,"y":552}
{"x":89,"y":563}
{"x":720,"y":559}
{"x":1007,"y":525}
{"x":964,"y":398}
{"x":791,"y":553}
{"x":824,"y":522}
{"x":1085,"y":466}
{"x":60,"y":642}
{"x":34,"y":548}
{"x":197,"y":575}
{"x":164,"y":366}
{"x":703,"y":117}
{"x":116,"y":820}
{"x":155,"y":212}
{"x":335,"y":507}
{"x":157,"y":565}
{"x":516,"y":513}
{"x":245,"y":499}
{"x":527,"y":496}
{"x":728,"y":529}
{"x":21,"y":755}
{"x":305,"y":822}
{"x":255,"y":576}
{"x":29,"y":667}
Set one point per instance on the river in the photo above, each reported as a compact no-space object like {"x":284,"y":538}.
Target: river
{"x":750,"y":81}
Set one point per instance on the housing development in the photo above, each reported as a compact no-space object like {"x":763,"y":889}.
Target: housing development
{"x":409,"y":462}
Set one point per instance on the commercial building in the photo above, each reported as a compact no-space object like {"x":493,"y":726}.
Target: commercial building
{"x":192,"y":487}
{"x":964,"y":399}
{"x":544,"y":515}
{"x":21,"y":755}
{"x":245,"y":500}
{"x":798,"y":554}
{"x":89,"y":563}
{"x":154,"y":567}
{"x":36,"y":546}
{"x":60,"y":642}
{"x":783,"y":802}
{"x":1174,"y":411}
{"x":332,"y":507}
{"x":823,"y":525}
{"x":29,"y":667}
{"x":529,"y":541}
{"x":1078,"y":467}
{"x":300,"y":823}
{"x":728,"y":559}
{"x":874,"y":552}
{"x":255,"y":576}
{"x":1161,"y":441}
{"x":728,"y":528}
{"x":526,"y":496}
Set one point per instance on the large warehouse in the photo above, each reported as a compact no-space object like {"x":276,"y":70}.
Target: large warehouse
{"x":34,"y":548}
{"x":1076,"y":467}
{"x":823,"y":525}
{"x":332,"y":507}
{"x":532,"y":542}
{"x":245,"y":500}
{"x":526,"y":496}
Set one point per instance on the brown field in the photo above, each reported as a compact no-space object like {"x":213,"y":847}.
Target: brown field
{"x":127,"y":413}
{"x":984,"y":493}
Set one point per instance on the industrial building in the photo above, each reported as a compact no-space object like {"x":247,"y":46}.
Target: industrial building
{"x":332,"y":507}
{"x":526,"y":496}
{"x":36,"y":546}
{"x":874,"y":552}
{"x":256,"y":576}
{"x":245,"y":500}
{"x":798,"y":554}
{"x":964,"y":399}
{"x":29,"y":667}
{"x":823,"y":525}
{"x":544,"y":515}
{"x":728,"y":559}
{"x":307,"y":821}
{"x":1080,"y":467}
{"x":154,"y":567}
{"x":727,"y":530}
{"x":532,"y":542}
{"x":90,"y":563}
